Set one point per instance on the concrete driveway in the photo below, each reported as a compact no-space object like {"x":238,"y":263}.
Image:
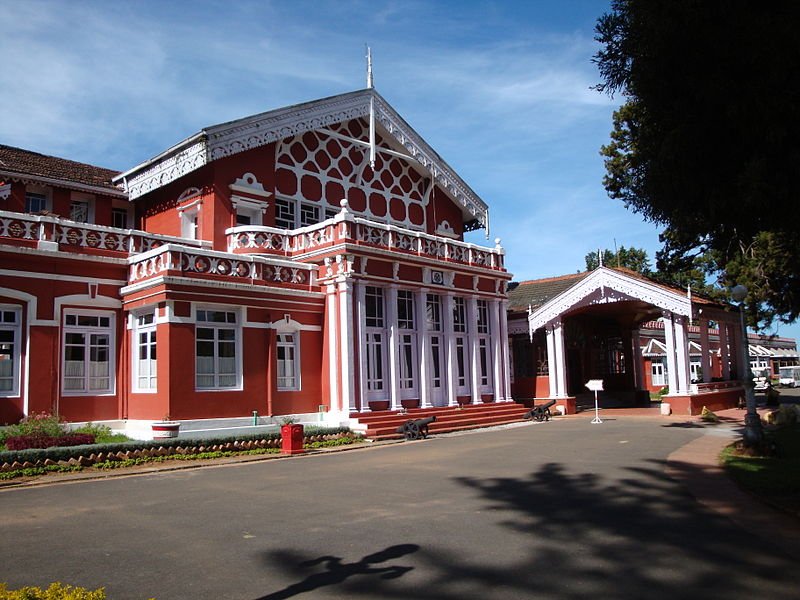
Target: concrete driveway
{"x":563,"y":509}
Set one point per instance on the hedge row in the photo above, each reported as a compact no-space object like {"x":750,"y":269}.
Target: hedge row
{"x":56,"y":454}
{"x":24,"y":442}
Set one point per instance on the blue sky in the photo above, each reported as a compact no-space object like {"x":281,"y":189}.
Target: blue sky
{"x":499,"y":89}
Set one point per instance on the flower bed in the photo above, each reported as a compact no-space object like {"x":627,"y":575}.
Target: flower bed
{"x":23,"y":442}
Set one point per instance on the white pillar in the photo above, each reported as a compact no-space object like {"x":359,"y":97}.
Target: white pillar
{"x":450,"y":349}
{"x":669,"y":342}
{"x":705,"y":352}
{"x":504,"y":344}
{"x":391,"y":320}
{"x":638,"y":361}
{"x":473,"y":356}
{"x":561,"y":360}
{"x":423,"y":344}
{"x":551,"y":362}
{"x":724,"y":351}
{"x":331,"y":324}
{"x":497,"y":356}
{"x":361,"y":317}
{"x":682,"y":353}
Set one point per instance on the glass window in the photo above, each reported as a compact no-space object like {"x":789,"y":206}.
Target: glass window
{"x":284,"y":213}
{"x":35,"y":203}
{"x":288,"y":361}
{"x":459,"y":315}
{"x":79,"y":211}
{"x":216,"y":361}
{"x":374,"y":361}
{"x":407,"y":358}
{"x":405,"y":309}
{"x":483,"y":317}
{"x":119,"y":218}
{"x":10,"y":340}
{"x":144,"y":352}
{"x":88,"y":365}
{"x":433,"y":316}
{"x":374,"y":306}
{"x":309,"y":215}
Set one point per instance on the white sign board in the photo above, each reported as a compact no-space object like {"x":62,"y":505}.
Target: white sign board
{"x":595,"y":385}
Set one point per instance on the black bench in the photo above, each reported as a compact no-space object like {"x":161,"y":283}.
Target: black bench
{"x":416,"y":429}
{"x":541,"y":412}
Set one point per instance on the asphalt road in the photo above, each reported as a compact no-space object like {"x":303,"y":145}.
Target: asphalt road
{"x":564,"y":509}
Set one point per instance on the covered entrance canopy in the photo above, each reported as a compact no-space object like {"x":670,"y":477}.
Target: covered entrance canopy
{"x":590,"y":325}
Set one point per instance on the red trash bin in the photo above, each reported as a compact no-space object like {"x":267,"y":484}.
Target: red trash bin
{"x":292,"y":439}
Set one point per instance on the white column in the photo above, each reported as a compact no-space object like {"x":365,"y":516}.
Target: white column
{"x":360,"y":295}
{"x":504,"y":343}
{"x":450,"y":349}
{"x":669,"y":342}
{"x":391,"y":321}
{"x":331,"y":324}
{"x":472,"y":325}
{"x":682,"y":353}
{"x":638,"y":361}
{"x":497,"y":356}
{"x":724,"y":352}
{"x":551,"y":362}
{"x":705,"y":353}
{"x":423,"y":344}
{"x":347,"y":341}
{"x":561,"y":359}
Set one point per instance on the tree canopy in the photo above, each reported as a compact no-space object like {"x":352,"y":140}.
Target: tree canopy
{"x":706,"y":141}
{"x":630,"y":258}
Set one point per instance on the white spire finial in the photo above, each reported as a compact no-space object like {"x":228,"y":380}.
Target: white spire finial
{"x":600,"y":257}
{"x":369,"y":67}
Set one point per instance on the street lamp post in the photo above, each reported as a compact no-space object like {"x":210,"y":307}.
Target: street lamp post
{"x":753,"y":433}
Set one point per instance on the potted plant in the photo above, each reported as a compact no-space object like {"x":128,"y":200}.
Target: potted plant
{"x":165,"y":428}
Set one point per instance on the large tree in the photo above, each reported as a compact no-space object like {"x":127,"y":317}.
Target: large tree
{"x":707,"y":142}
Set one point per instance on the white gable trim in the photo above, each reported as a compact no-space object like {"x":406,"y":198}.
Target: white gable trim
{"x":606,"y":282}
{"x":231,"y":138}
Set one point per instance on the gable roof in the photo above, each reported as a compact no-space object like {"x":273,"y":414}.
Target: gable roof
{"x":26,"y":165}
{"x":233,"y":137}
{"x":536,"y":292}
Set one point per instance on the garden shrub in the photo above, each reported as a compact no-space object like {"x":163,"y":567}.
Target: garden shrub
{"x":23,"y":442}
{"x":56,"y":591}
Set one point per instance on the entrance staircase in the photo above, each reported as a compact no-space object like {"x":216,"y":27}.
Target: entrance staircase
{"x":382,"y":425}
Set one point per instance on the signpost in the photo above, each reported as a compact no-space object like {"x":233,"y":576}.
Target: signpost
{"x":595,"y":385}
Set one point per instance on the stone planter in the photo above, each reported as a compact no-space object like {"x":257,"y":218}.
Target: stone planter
{"x":376,"y":405}
{"x":409,"y":403}
{"x":165,"y":429}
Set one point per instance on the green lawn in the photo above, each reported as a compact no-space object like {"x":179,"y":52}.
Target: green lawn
{"x":774,"y":478}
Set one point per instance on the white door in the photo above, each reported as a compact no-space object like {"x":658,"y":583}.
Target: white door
{"x":438,"y":395}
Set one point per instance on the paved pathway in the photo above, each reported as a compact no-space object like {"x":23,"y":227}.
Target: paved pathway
{"x":564,"y":509}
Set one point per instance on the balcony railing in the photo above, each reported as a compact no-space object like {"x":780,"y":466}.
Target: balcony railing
{"x":175,"y":260}
{"x":355,"y":231}
{"x":68,"y":234}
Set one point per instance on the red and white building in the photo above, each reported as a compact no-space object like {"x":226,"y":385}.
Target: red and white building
{"x":305,"y":261}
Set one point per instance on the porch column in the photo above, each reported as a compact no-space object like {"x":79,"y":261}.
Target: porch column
{"x":506,"y":351}
{"x":724,"y":352}
{"x":638,"y":361}
{"x":669,"y":341}
{"x":360,"y":294}
{"x":450,"y":349}
{"x":347,"y":341}
{"x":497,"y":357}
{"x":705,"y":352}
{"x":391,"y":320}
{"x":551,"y":361}
{"x":472,"y":319}
{"x":682,"y":353}
{"x":331,"y":321}
{"x":423,"y":343}
{"x":561,"y":362}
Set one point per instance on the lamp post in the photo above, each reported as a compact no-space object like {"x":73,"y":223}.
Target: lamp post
{"x":753,"y":434}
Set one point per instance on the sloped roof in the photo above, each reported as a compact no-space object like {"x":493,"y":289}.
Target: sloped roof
{"x":233,"y":137}
{"x":17,"y":163}
{"x":536,"y":292}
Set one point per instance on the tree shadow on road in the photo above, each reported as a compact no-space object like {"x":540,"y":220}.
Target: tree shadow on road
{"x":338,"y":572}
{"x":638,"y":536}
